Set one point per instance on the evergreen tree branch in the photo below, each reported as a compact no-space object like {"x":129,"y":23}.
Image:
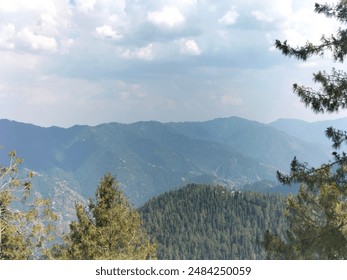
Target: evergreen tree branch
{"x":336,"y":44}
{"x":338,"y":11}
{"x":331,"y":97}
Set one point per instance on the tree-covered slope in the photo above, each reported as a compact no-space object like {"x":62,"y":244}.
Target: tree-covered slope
{"x":150,"y":158}
{"x":264,"y":143}
{"x":209,"y":222}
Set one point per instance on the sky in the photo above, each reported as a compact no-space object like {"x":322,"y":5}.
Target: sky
{"x":67,"y":62}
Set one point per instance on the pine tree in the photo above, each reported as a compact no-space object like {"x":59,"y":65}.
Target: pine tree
{"x":317,"y":215}
{"x":108,"y":229}
{"x":26,"y":220}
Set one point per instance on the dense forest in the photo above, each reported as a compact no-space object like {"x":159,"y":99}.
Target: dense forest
{"x":212,"y":222}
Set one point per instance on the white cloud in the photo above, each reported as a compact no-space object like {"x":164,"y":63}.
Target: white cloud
{"x":261,"y":16}
{"x":33,"y":5}
{"x":8,"y":6}
{"x":167,"y":17}
{"x":144,"y":53}
{"x":128,"y":91}
{"x":106,"y":31}
{"x":85,"y":5}
{"x":65,"y":45}
{"x":17,"y":63}
{"x":229,"y":18}
{"x":282,"y":8}
{"x":190,"y":47}
{"x":47,"y":19}
{"x":186,"y":3}
{"x":35,"y":25}
{"x":294,"y":21}
{"x":37,"y":42}
{"x":7,"y":33}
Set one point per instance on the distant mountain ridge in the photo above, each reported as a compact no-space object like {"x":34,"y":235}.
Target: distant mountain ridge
{"x":309,"y":131}
{"x":150,"y":157}
{"x":262,"y":142}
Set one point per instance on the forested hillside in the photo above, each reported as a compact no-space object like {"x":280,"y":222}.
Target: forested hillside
{"x":208,"y":222}
{"x":150,"y":158}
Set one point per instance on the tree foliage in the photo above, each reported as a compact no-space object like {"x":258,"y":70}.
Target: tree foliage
{"x":26,"y":220}
{"x":317,"y":215}
{"x":108,"y":229}
{"x":211,"y":222}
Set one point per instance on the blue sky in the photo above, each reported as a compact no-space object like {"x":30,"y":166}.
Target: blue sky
{"x":66,"y":62}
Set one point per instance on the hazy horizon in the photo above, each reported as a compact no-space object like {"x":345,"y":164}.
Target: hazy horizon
{"x":67,"y":62}
{"x":164,"y":122}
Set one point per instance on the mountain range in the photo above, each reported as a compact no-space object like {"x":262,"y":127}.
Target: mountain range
{"x":150,"y":158}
